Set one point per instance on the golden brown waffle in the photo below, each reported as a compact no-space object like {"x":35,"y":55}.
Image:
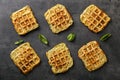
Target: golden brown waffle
{"x":94,"y":18}
{"x":92,"y":56}
{"x":24,"y":20}
{"x":25,"y":57}
{"x":59,"y":58}
{"x":58,"y":18}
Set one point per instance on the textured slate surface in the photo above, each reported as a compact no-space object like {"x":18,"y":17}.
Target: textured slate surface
{"x":110,"y":71}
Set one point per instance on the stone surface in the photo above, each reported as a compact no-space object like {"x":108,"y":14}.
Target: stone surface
{"x":110,"y":71}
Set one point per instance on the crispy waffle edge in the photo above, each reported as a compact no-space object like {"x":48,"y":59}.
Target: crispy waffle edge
{"x":12,"y":52}
{"x":105,"y":58}
{"x":13,"y":13}
{"x":52,"y":67}
{"x":71,"y":20}
{"x":84,"y":11}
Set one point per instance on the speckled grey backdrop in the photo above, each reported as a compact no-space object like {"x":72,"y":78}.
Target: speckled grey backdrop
{"x":110,"y":71}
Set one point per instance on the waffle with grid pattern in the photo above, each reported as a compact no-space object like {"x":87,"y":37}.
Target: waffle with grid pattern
{"x":24,"y":20}
{"x":59,"y":58}
{"x":94,"y":18}
{"x":58,"y":18}
{"x":24,"y":57}
{"x":92,"y":56}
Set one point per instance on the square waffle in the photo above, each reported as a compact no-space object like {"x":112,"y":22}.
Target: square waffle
{"x":92,"y":56}
{"x":25,"y":57}
{"x":24,"y":20}
{"x":59,"y":58}
{"x":58,"y":18}
{"x":94,"y":18}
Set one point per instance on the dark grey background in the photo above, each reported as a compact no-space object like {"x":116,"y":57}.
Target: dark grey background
{"x":110,"y":71}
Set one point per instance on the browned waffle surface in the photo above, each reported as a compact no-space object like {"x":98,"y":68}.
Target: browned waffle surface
{"x":25,"y":57}
{"x":92,"y":56}
{"x":24,"y":20}
{"x":59,"y":58}
{"x":58,"y":18}
{"x":94,"y":18}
